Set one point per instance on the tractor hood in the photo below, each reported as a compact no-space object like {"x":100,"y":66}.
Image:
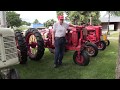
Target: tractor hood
{"x":93,"y":27}
{"x":6,"y":32}
{"x":90,"y":28}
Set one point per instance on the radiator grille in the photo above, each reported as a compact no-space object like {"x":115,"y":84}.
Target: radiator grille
{"x":10,"y":47}
{"x":10,"y":50}
{"x":8,"y":38}
{"x":10,"y":44}
{"x":11,"y":56}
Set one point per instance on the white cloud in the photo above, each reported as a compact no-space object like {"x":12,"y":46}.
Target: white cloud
{"x":103,"y":14}
{"x":42,"y":16}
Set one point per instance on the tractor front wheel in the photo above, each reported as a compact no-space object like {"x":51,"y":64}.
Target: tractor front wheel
{"x":81,"y":59}
{"x":92,"y":49}
{"x":102,"y":45}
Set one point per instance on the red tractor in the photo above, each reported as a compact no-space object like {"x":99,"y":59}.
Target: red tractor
{"x":72,"y":38}
{"x":38,"y":40}
{"x":94,"y":35}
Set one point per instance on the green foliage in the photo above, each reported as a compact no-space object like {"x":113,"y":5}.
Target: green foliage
{"x":115,"y":13}
{"x":59,"y":13}
{"x":36,"y":21}
{"x":13,"y":19}
{"x":26,"y":23}
{"x":23,"y":28}
{"x":49,"y":23}
{"x":77,"y":17}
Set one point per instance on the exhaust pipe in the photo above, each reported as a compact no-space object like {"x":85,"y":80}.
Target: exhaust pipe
{"x":3,"y":19}
{"x":90,"y":20}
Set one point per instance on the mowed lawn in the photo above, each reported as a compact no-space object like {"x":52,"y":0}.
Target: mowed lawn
{"x":100,"y":67}
{"x":115,"y":34}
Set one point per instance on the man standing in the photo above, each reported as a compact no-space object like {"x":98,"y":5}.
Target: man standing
{"x":58,"y":39}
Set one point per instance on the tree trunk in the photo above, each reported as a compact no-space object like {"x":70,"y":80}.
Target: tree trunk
{"x":118,"y":61}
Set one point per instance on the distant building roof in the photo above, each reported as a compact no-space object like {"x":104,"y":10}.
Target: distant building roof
{"x":37,"y":25}
{"x":112,"y":19}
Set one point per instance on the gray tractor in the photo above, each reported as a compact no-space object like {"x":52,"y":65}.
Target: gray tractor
{"x":13,"y":50}
{"x":8,"y":54}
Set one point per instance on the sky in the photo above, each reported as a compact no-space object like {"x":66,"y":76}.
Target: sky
{"x":42,"y":16}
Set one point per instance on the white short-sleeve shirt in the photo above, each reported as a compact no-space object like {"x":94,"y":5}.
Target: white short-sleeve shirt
{"x":60,"y":30}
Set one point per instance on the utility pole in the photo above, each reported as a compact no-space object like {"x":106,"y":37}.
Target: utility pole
{"x":3,"y":19}
{"x":108,"y":23}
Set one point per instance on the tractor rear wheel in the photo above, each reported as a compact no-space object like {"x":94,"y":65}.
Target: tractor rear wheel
{"x":92,"y":49}
{"x":102,"y":45}
{"x":83,"y":59}
{"x":35,"y":44}
{"x":21,"y":46}
{"x":107,"y":42}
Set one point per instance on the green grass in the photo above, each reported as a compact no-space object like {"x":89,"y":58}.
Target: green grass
{"x":115,"y":34}
{"x":100,"y":67}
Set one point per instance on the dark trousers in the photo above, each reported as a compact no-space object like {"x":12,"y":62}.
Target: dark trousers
{"x":59,"y":50}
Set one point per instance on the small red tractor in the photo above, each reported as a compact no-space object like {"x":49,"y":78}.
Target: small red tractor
{"x":94,"y":35}
{"x":38,"y":40}
{"x":104,"y":37}
{"x":91,"y":48}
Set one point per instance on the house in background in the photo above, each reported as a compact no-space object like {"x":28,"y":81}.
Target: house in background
{"x":38,"y":26}
{"x":113,"y":25}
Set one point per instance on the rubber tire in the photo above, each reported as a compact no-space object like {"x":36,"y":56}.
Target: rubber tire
{"x":40,"y":42}
{"x":104,"y":45}
{"x":85,"y":56}
{"x":22,"y":46}
{"x":95,"y":48}
{"x":107,"y":42}
{"x":13,"y":74}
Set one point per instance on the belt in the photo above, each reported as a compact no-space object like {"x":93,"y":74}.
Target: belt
{"x":59,"y":37}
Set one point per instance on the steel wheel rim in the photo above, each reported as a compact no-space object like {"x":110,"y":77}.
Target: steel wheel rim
{"x":79,"y":60}
{"x":90,"y":51}
{"x":32,"y":45}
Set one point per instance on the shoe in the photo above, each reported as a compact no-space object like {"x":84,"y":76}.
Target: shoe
{"x":55,"y":65}
{"x":59,"y":63}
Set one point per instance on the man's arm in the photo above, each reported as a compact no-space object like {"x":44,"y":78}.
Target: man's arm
{"x":71,"y":25}
{"x":53,"y":37}
{"x":53,"y":34}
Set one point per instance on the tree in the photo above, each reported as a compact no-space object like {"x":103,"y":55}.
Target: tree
{"x":25,"y":23}
{"x":49,"y":23}
{"x":114,"y":13}
{"x":77,"y":17}
{"x":59,"y":13}
{"x":13,"y":19}
{"x":36,"y":21}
